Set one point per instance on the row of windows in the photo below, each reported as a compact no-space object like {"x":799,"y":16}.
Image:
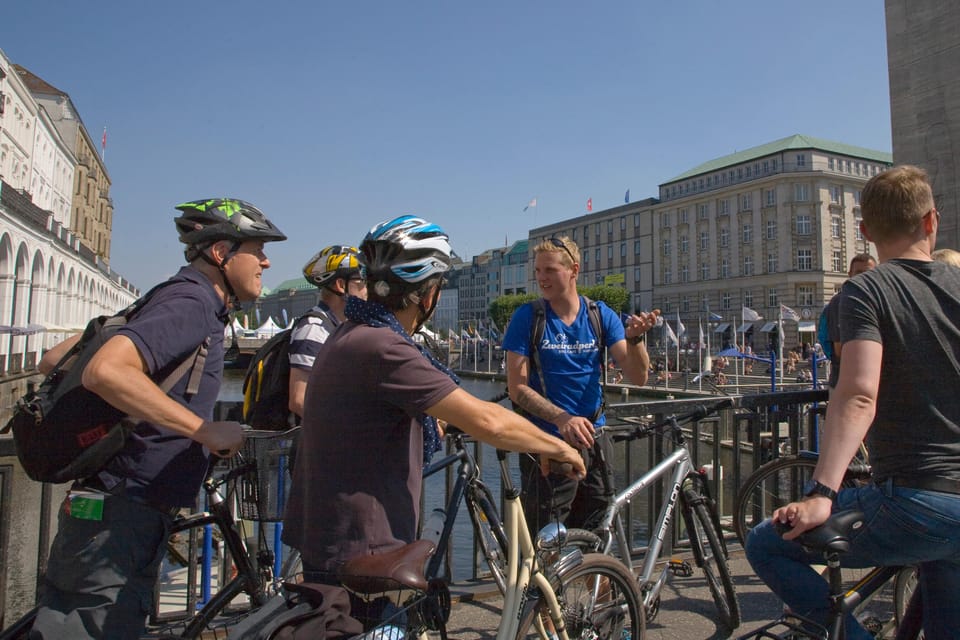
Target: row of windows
{"x":803,"y":262}
{"x":853,"y":167}
{"x":805,"y":297}
{"x":727,"y":176}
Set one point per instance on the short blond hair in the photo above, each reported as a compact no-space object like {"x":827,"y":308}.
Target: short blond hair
{"x":947,"y":255}
{"x":567,"y":249}
{"x":894,"y":202}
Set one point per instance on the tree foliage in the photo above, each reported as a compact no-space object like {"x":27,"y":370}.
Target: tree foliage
{"x":502,"y":308}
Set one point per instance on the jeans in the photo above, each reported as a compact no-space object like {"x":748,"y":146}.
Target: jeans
{"x":903,"y":526}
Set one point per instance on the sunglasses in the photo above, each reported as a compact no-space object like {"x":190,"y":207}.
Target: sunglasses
{"x":557,"y":242}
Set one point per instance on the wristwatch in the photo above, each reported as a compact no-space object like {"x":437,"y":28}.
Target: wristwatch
{"x":637,"y":339}
{"x":816,"y":488}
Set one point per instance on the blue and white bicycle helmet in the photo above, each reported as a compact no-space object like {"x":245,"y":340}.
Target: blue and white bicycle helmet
{"x":407,"y":251}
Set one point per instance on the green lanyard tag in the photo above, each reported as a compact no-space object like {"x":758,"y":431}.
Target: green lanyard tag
{"x":85,"y":505}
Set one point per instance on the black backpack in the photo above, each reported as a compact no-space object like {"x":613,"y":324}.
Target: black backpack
{"x":266,"y":385}
{"x":536,"y":336}
{"x":61,"y":430}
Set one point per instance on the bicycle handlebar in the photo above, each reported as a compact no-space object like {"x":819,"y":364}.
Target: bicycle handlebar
{"x":698,"y":413}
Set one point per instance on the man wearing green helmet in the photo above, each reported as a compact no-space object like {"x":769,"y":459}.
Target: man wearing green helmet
{"x":102,"y":569}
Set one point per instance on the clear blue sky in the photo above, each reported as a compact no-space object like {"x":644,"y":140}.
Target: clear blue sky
{"x":332,"y":116}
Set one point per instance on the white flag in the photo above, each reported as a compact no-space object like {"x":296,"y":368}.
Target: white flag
{"x":680,"y":328}
{"x":669,"y":335}
{"x":789,"y":314}
{"x":700,"y":339}
{"x":532,"y":203}
{"x":749,"y":315}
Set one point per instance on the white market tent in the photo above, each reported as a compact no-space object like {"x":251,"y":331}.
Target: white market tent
{"x":268,"y":329}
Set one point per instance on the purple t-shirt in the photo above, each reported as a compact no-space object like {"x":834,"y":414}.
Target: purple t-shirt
{"x":157,"y":464}
{"x":358,"y":477}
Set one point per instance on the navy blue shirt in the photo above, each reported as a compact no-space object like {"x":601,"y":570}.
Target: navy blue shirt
{"x":157,"y":464}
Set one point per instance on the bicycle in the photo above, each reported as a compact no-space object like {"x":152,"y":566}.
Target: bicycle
{"x":546,"y":595}
{"x":687,"y":485}
{"x":262,"y":452}
{"x":780,"y":482}
{"x":832,"y":539}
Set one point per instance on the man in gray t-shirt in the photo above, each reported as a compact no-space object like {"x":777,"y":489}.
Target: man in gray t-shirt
{"x":900,"y":329}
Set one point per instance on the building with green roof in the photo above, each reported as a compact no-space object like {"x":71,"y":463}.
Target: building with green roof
{"x":775,"y":224}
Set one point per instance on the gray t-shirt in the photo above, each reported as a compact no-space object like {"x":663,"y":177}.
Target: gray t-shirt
{"x":912,"y":308}
{"x":358,"y":476}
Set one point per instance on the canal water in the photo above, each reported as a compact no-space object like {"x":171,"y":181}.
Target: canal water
{"x":435,"y":486}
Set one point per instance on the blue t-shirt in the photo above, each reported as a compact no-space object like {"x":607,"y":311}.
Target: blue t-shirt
{"x":157,"y":464}
{"x":570,"y":358}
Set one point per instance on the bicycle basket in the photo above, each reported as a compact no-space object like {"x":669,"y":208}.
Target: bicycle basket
{"x":263,"y":491}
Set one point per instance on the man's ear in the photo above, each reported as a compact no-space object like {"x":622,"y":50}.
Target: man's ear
{"x":863,"y":230}
{"x":218,"y":251}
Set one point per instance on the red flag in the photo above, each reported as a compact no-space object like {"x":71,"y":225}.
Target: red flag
{"x":103,"y":140}
{"x":589,"y":204}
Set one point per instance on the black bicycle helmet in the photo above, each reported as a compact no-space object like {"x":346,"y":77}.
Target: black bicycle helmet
{"x":406,"y":251}
{"x":206,"y":221}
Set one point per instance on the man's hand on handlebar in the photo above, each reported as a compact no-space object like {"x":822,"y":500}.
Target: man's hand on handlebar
{"x":569,"y":464}
{"x":223,"y":439}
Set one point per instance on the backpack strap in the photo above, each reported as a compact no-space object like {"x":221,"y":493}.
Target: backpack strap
{"x":596,"y":322}
{"x":536,"y":337}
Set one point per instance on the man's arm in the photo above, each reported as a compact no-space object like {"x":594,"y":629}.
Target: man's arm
{"x":54,"y":354}
{"x":576,"y":430}
{"x":633,"y":359}
{"x":118,"y":373}
{"x":504,"y":429}
{"x":298,"y":389}
{"x":850,"y":413}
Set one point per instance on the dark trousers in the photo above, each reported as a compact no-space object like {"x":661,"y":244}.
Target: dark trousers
{"x":559,"y":498}
{"x":101,"y":574}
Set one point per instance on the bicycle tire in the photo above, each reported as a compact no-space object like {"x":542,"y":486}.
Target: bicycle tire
{"x":217,"y":614}
{"x":771,"y":486}
{"x":582,"y":539}
{"x":617,"y":616}
{"x":20,"y":630}
{"x":710,"y":555}
{"x":292,"y":566}
{"x":904,"y":585}
{"x":489,"y":531}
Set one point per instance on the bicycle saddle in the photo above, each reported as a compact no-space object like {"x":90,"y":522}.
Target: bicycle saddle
{"x":834,"y":534}
{"x":382,"y":572}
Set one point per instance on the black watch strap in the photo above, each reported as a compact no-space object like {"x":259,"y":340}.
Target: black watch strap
{"x":637,"y":339}
{"x":817,"y":488}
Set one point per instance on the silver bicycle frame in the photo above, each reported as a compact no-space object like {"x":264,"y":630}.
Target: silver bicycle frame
{"x":679,"y":462}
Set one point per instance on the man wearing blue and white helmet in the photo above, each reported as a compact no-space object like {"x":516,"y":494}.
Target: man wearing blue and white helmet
{"x":356,"y":490}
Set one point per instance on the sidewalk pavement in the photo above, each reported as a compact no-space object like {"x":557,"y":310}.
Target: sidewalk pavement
{"x":686,"y":612}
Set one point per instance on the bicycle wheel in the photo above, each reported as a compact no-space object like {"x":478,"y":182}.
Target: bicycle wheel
{"x":292,"y":566}
{"x":710,"y":555}
{"x":489,"y":532}
{"x":598,"y":599}
{"x":20,"y":629}
{"x":771,"y":486}
{"x":239,"y":591}
{"x":904,"y":586}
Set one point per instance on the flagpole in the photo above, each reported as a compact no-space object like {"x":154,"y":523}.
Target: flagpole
{"x":666,"y":356}
{"x":700,"y":352}
{"x":780,"y":342}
